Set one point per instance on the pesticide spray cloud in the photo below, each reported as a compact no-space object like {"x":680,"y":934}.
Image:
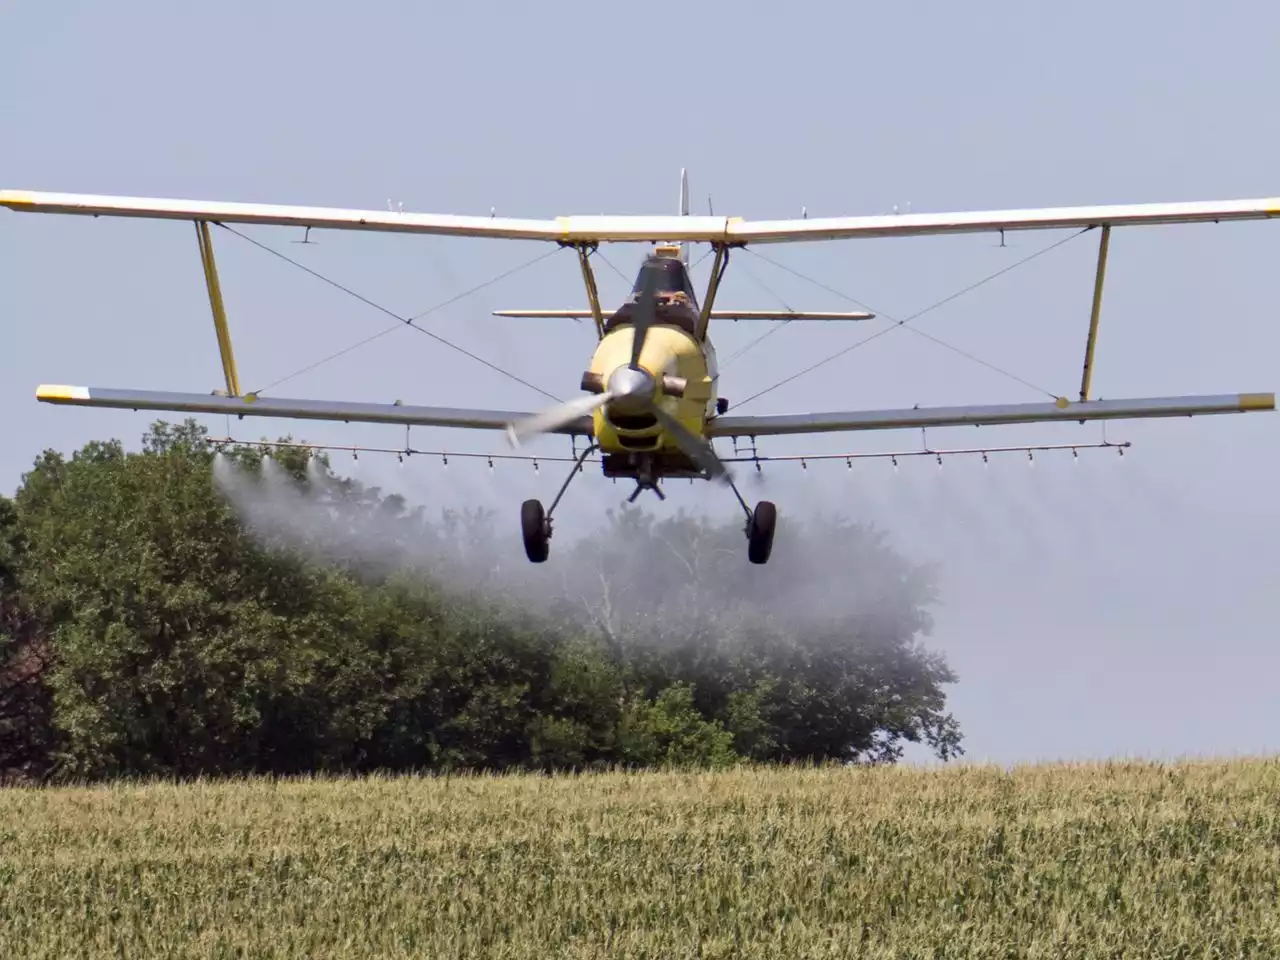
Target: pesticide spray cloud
{"x":1077,"y":599}
{"x":660,"y":571}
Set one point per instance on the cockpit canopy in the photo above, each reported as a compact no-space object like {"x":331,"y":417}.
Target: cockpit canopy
{"x":677,"y":303}
{"x":670,"y":275}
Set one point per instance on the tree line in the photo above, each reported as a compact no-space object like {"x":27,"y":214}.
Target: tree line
{"x":180,"y":611}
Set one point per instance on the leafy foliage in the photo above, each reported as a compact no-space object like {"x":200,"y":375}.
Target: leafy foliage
{"x":179,"y":612}
{"x":25,"y":700}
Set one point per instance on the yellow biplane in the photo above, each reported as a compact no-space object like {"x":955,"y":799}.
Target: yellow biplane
{"x":650,"y":404}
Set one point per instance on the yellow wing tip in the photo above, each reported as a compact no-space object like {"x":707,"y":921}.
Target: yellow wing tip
{"x":16,"y":198}
{"x":1257,"y":401}
{"x":58,"y":391}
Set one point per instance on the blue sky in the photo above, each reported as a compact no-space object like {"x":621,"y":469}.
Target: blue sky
{"x":1099,"y":608}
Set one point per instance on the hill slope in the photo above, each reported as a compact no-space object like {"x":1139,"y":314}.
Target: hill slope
{"x":1115,"y":860}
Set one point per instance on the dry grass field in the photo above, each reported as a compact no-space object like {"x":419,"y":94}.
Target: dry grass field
{"x":1108,"y":860}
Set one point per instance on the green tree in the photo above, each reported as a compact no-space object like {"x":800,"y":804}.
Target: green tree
{"x":198,"y":611}
{"x":26,"y":704}
{"x":669,"y":730}
{"x":181,"y":647}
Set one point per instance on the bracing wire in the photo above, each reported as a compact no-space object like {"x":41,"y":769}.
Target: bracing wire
{"x":609,"y":263}
{"x":401,"y":321}
{"x":898,"y":324}
{"x":768,"y":333}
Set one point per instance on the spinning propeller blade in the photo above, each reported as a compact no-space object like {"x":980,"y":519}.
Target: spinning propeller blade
{"x":697,"y":449}
{"x":644,"y":315}
{"x":556,"y":416}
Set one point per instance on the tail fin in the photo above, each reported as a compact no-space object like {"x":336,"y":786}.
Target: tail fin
{"x":684,"y":211}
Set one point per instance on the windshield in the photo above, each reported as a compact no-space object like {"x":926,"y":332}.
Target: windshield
{"x":670,"y":277}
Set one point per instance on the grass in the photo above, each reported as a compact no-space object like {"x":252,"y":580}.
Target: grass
{"x":1108,"y":860}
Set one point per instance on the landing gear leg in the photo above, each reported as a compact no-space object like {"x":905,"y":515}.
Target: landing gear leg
{"x":760,"y":526}
{"x":535,"y":523}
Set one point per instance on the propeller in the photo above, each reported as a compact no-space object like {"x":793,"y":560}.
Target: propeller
{"x":644,"y":316}
{"x":631,"y":389}
{"x":556,"y":416}
{"x":695,"y":448}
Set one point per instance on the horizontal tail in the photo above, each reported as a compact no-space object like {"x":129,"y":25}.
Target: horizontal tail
{"x":574,"y":314}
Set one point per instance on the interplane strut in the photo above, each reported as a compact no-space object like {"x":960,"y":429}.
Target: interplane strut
{"x":218,"y":307}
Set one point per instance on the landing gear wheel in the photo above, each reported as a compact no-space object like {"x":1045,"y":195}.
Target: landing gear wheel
{"x":760,"y":532}
{"x":536,"y":531}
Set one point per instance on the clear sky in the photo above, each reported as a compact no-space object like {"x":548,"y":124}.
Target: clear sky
{"x":1098,"y":608}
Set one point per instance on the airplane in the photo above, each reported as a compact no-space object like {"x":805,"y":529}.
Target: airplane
{"x":651,"y":406}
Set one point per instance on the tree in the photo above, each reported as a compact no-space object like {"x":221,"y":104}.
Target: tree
{"x":26,"y":705}
{"x":206,"y":612}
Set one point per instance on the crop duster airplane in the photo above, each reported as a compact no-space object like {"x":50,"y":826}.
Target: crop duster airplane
{"x":650,"y":404}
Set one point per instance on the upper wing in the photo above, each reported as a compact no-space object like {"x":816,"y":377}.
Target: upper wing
{"x":253,"y":406}
{"x":1048,"y":218}
{"x":385,"y":220}
{"x":573,"y":314}
{"x":986,"y":415}
{"x":587,"y":229}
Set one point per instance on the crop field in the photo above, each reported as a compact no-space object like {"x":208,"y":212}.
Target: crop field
{"x":1108,"y":860}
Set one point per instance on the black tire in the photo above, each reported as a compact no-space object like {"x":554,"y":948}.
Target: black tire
{"x":760,"y":532}
{"x":533,"y":527}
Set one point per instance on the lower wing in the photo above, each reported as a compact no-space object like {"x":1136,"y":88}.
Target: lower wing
{"x":397,"y":413}
{"x":255,"y":406}
{"x":989,"y":414}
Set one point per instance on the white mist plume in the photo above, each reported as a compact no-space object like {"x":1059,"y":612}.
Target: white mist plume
{"x":1068,"y":591}
{"x":681,"y":564}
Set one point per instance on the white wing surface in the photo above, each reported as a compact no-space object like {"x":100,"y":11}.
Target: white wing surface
{"x":605,"y":228}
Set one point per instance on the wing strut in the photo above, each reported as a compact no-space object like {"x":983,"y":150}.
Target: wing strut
{"x":718,"y":267}
{"x":593,"y":294}
{"x":219,"y":309}
{"x":1087,"y":375}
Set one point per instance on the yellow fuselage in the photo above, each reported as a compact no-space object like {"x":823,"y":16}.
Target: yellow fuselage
{"x":668,"y":350}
